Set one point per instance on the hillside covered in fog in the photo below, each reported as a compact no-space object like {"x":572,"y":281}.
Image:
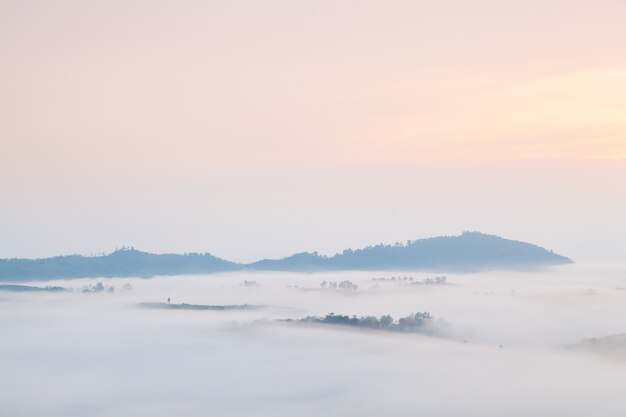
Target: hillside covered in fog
{"x":468,"y":252}
{"x":471,"y":251}
{"x":121,"y":263}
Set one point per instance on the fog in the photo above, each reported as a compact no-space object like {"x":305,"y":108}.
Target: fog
{"x":506,"y":346}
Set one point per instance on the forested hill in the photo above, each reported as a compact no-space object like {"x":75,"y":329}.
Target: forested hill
{"x":471,"y":251}
{"x":121,"y":263}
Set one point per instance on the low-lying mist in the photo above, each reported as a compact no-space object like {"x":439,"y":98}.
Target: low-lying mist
{"x":507,"y":344}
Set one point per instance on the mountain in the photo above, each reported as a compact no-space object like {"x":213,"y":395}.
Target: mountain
{"x":121,"y":263}
{"x":304,"y":261}
{"x":471,"y":251}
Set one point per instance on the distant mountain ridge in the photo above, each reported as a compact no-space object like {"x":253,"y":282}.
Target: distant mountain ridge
{"x":121,"y":263}
{"x":470,"y":251}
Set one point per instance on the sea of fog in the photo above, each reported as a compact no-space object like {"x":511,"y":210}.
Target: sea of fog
{"x":508,"y":345}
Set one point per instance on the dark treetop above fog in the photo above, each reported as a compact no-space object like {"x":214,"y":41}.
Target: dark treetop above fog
{"x":471,"y":251}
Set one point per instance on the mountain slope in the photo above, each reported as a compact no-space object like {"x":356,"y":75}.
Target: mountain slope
{"x":469,"y":251}
{"x":121,"y":263}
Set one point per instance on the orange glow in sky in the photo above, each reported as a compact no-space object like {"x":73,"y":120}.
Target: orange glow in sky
{"x":273,"y":84}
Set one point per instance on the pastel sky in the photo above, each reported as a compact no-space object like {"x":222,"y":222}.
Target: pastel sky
{"x":252,"y":129}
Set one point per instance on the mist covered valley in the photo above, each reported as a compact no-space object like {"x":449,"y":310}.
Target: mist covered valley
{"x":496,"y":343}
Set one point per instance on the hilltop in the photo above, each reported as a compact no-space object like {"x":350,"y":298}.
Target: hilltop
{"x":469,"y":251}
{"x":121,"y":263}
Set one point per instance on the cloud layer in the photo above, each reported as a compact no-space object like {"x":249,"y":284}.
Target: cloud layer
{"x":75,"y":354}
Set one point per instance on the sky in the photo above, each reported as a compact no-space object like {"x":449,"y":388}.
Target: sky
{"x":254,"y":130}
